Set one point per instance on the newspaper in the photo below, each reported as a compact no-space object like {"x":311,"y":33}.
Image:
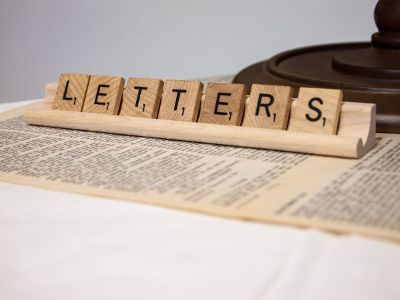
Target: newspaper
{"x":339,"y":195}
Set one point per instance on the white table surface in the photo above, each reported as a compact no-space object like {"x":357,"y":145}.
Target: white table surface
{"x":57,"y":245}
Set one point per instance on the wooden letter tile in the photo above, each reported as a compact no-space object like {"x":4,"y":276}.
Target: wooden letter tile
{"x":104,"y":94}
{"x":317,"y":111}
{"x":181,"y":100}
{"x":268,"y":106}
{"x":71,"y":92}
{"x":142,"y":98}
{"x":223,"y":104}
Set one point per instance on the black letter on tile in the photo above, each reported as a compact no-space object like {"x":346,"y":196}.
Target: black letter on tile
{"x":100,"y":94}
{"x":266,"y":105}
{"x":314,"y":108}
{"x":219,"y":102}
{"x":139,"y":88}
{"x":65,"y":97}
{"x":178,"y":95}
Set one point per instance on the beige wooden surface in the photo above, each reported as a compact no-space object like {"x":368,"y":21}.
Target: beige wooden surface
{"x":356,"y":134}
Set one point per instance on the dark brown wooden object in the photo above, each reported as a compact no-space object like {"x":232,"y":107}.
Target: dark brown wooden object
{"x":366,"y":72}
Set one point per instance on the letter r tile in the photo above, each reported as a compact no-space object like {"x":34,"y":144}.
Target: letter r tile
{"x":317,"y":111}
{"x":268,"y":106}
{"x":104,"y":94}
{"x":223,"y":104}
{"x":181,"y":100}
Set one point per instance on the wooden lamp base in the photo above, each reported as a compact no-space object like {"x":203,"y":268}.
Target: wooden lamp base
{"x":366,"y":72}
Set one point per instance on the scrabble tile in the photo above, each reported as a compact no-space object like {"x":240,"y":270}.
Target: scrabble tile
{"x":181,"y":100}
{"x":104,"y":94}
{"x":317,"y":111}
{"x":142,"y":97}
{"x":268,"y":106}
{"x":71,"y":91}
{"x":223,"y":104}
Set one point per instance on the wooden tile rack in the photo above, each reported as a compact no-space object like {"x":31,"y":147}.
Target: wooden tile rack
{"x":355,"y":136}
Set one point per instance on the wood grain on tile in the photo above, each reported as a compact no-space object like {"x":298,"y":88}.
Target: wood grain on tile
{"x":71,"y":91}
{"x":317,"y":111}
{"x":104,"y":94}
{"x":180,"y":100}
{"x":142,"y":97}
{"x":268,"y":106}
{"x":223,"y":104}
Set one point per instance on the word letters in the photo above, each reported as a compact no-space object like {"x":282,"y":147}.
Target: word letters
{"x":266,"y":106}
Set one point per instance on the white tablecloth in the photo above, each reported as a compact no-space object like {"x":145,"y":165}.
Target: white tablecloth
{"x":57,"y":245}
